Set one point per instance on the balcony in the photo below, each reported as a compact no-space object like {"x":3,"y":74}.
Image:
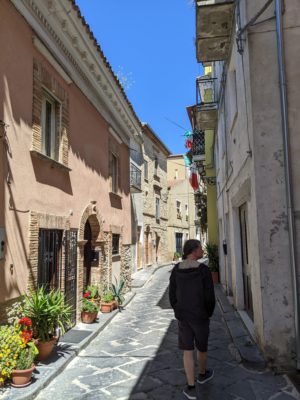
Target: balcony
{"x":214,"y":20}
{"x":206,"y":114}
{"x":135,"y":179}
{"x":198,"y":149}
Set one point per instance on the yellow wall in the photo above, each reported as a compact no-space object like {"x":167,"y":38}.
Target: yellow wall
{"x":176,"y":163}
{"x":212,"y":216}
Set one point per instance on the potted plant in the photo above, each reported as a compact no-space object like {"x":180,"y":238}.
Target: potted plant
{"x":18,"y":352}
{"x":176,"y":256}
{"x":212,"y":252}
{"x":107,"y":302}
{"x":89,"y":310}
{"x":117,"y":291}
{"x":92,"y":292}
{"x":49,"y":313}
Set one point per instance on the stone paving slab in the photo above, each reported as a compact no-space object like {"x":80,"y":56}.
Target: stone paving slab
{"x":136,"y":357}
{"x":62,"y":355}
{"x":248,"y":351}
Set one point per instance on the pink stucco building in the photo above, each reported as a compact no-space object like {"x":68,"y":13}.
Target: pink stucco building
{"x":65,"y":130}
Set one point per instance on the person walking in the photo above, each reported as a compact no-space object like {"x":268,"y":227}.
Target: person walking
{"x":192,"y":296}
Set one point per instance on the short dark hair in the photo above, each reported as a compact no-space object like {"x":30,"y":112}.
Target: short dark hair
{"x":189,"y":247}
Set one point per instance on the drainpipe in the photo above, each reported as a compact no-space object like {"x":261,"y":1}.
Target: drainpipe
{"x":286,"y":143}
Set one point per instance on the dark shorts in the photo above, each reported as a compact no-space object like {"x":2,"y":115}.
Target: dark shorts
{"x":193,"y":333}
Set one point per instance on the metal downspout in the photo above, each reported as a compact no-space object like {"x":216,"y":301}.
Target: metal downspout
{"x":286,"y":148}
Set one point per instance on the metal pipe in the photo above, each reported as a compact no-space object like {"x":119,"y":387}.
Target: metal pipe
{"x":287,"y":163}
{"x":253,"y":19}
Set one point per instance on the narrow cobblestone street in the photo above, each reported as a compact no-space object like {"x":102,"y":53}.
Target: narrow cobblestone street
{"x":136,"y":357}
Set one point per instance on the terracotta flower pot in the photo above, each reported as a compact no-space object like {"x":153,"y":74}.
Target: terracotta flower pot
{"x":115,"y":304}
{"x":215,"y":277}
{"x":106,"y":307}
{"x":45,"y":348}
{"x":22,"y":377}
{"x":88,"y":317}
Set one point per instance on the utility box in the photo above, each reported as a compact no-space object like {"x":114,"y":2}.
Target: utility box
{"x":2,"y":243}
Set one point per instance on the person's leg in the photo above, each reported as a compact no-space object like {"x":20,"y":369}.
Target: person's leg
{"x":201,"y":357}
{"x":188,"y":363}
{"x":186,"y":343}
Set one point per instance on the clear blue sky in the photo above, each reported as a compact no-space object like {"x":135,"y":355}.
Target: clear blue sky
{"x":152,"y":44}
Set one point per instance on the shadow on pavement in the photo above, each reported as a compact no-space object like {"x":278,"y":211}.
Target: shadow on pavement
{"x":163,"y":377}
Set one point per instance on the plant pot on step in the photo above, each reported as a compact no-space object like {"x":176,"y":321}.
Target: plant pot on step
{"x":107,"y":307}
{"x":88,"y":317}
{"x":215,"y":277}
{"x":22,"y":377}
{"x":115,"y":304}
{"x":46,"y":348}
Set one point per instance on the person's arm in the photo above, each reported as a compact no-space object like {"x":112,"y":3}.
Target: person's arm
{"x":172,"y":289}
{"x":209,"y":291}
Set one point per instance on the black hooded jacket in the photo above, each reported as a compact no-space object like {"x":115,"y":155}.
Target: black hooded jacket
{"x":191,"y":293}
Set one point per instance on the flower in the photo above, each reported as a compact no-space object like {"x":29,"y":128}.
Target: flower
{"x":86,"y":295}
{"x":26,"y":335}
{"x":25,"y":321}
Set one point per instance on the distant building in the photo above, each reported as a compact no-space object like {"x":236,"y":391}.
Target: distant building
{"x":183,"y":223}
{"x":155,"y":200}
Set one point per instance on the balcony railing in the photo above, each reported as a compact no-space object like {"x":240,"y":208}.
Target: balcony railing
{"x":198,"y":149}
{"x":206,"y":98}
{"x":135,"y":178}
{"x":213,"y":28}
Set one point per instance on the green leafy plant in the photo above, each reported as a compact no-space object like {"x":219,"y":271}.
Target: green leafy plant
{"x":11,"y":344}
{"x":212,"y":253}
{"x":48,"y":311}
{"x":17,"y":350}
{"x":89,"y":306}
{"x":27,"y":356}
{"x":93,"y":290}
{"x":108,"y":297}
{"x":117,"y":290}
{"x":176,"y":255}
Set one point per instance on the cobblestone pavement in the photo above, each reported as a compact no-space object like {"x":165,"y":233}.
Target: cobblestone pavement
{"x":136,"y":358}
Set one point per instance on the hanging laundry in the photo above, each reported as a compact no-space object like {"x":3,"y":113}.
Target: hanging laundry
{"x":194,"y":177}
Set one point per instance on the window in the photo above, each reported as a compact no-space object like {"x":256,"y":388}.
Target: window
{"x":178,"y":242}
{"x":155,"y":165}
{"x":49,"y":258}
{"x":157,"y":209}
{"x":114,"y":173}
{"x":50,"y":126}
{"x":115,"y":244}
{"x":178,"y":209}
{"x":145,"y":169}
{"x":186,"y":212}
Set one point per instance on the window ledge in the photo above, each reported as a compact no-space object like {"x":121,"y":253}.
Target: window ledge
{"x":53,"y":162}
{"x":116,"y":195}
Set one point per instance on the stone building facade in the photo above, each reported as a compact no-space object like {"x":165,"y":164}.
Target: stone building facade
{"x":255,"y":119}
{"x":65,"y":131}
{"x":155,"y":199}
{"x":183,"y":223}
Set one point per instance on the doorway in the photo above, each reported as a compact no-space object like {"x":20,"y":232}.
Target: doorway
{"x":178,"y":242}
{"x":246,"y":271}
{"x":87,"y":254}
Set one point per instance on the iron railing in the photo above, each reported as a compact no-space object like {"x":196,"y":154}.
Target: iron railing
{"x":135,"y":177}
{"x":198,"y":147}
{"x":206,"y":90}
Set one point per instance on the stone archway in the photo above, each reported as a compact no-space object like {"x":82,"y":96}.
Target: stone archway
{"x":91,"y":243}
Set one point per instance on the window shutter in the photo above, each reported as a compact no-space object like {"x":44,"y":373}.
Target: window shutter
{"x":110,"y":168}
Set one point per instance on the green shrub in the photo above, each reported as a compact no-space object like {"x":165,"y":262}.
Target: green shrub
{"x":212,"y":252}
